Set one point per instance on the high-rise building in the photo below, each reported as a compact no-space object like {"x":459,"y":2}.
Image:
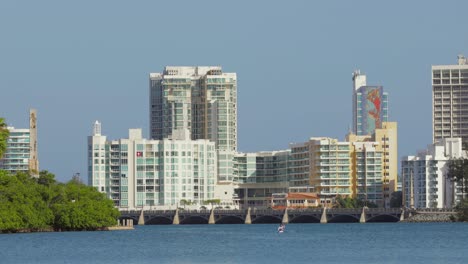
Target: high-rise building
{"x":370,"y":106}
{"x":21,"y":151}
{"x":201,"y":101}
{"x":375,"y":160}
{"x":137,"y":172}
{"x":450,"y":100}
{"x":424,"y":182}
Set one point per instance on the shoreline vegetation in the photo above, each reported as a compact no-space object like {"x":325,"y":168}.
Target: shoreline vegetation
{"x":41,"y":204}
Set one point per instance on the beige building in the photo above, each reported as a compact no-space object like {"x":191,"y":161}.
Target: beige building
{"x":450,"y":100}
{"x":375,"y":161}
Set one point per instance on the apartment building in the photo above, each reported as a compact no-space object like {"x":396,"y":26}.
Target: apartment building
{"x":137,"y":172}
{"x":450,"y":100}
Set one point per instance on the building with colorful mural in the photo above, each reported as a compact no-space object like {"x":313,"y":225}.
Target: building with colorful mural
{"x":370,"y":106}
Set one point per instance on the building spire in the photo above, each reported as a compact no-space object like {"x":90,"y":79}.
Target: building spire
{"x":97,"y":128}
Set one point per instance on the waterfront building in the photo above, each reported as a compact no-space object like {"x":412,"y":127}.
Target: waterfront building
{"x":202,"y":101}
{"x":259,"y":176}
{"x":330,"y":171}
{"x":21,"y":152}
{"x":299,"y":167}
{"x":137,"y":172}
{"x":364,"y":167}
{"x":424,"y":182}
{"x":294,"y":200}
{"x":370,"y":106}
{"x":450,"y":100}
{"x":375,"y":161}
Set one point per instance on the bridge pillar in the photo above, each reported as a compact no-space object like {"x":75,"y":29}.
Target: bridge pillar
{"x":211,"y":220}
{"x":248,"y":219}
{"x":141,"y":219}
{"x":362,"y":220}
{"x":323,"y":219}
{"x":285,"y":217}
{"x":175,"y":221}
{"x":402,"y":216}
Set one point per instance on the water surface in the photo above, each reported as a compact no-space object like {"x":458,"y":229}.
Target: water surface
{"x":300,"y":243}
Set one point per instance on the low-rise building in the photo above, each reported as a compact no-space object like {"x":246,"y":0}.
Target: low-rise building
{"x":295,"y":200}
{"x":259,"y":175}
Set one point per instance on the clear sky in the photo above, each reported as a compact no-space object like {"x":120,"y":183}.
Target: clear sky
{"x":81,"y":61}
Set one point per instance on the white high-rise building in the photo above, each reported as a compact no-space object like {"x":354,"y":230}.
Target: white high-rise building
{"x":137,"y":172}
{"x":201,"y":101}
{"x":424,"y":182}
{"x":450,"y":100}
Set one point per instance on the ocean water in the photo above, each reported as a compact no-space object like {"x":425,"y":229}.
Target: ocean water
{"x":260,"y":243}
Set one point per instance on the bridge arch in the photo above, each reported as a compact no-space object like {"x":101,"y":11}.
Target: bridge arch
{"x":230,"y":219}
{"x":158,"y":220}
{"x":305,"y":219}
{"x":343,"y":219}
{"x":191,"y":220}
{"x":266,"y":219}
{"x":383,"y":218}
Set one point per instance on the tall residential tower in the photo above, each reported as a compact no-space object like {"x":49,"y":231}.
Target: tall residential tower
{"x":370,"y":106}
{"x":450,"y":100}
{"x":201,"y":101}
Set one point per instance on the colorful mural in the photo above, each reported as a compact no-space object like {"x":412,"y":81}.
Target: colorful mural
{"x":373,"y":108}
{"x":371,"y":114}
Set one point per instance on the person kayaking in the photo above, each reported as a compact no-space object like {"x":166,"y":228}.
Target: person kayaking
{"x":281,"y":228}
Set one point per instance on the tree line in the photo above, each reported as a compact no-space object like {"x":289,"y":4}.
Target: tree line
{"x":33,"y":204}
{"x":37,"y":204}
{"x":457,"y":172}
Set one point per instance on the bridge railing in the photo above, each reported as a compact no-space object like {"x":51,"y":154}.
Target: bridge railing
{"x":434,"y":210}
{"x":291,"y":210}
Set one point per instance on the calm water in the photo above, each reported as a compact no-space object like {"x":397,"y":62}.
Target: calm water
{"x":300,"y":243}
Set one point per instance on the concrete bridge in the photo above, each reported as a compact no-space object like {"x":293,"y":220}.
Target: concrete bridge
{"x":262,"y":216}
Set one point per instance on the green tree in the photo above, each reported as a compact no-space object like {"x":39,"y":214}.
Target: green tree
{"x":22,"y":204}
{"x":396,"y":199}
{"x":212,"y":201}
{"x":348,"y":202}
{"x":82,"y":207}
{"x":28,"y":203}
{"x":462,"y":211}
{"x":457,"y":171}
{"x":185,"y":202}
{"x":4,"y":134}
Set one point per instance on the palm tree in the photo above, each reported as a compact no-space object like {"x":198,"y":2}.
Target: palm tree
{"x":4,"y":133}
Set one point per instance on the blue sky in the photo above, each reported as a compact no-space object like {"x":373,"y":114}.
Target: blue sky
{"x":81,"y":61}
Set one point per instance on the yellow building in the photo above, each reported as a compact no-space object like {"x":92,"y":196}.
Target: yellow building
{"x":375,"y":164}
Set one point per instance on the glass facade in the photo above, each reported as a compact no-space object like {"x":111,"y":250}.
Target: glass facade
{"x":200,"y":100}
{"x":139,"y":172}
{"x":17,"y":155}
